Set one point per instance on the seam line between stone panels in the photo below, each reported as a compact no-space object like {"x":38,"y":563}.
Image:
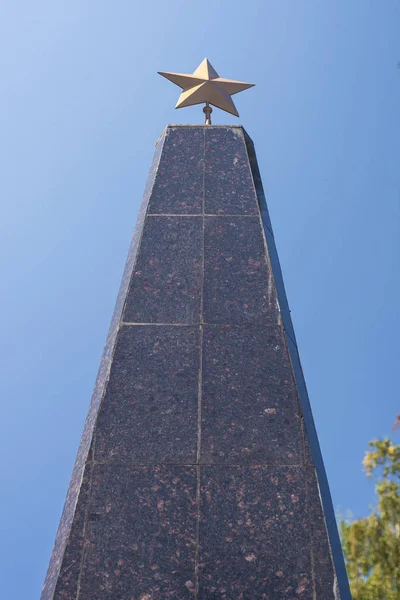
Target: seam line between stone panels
{"x":311,"y":536}
{"x":193,"y":464}
{"x":200,"y":215}
{"x":200,"y":389}
{"x":233,"y":325}
{"x":303,"y":429}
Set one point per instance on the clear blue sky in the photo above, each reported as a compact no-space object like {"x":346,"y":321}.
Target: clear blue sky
{"x":81,"y":107}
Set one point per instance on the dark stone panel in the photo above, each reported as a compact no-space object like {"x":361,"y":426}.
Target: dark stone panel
{"x":67,"y":582}
{"x":141,"y":534}
{"x":149,"y":413}
{"x":238,"y":283}
{"x":229,"y":188}
{"x":70,"y":522}
{"x":137,"y":233}
{"x":166,"y":283}
{"x":178,"y":188}
{"x":325,"y":580}
{"x":254,"y":538}
{"x":250,"y":410}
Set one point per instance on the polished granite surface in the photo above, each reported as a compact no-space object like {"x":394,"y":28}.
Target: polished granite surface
{"x":199,"y":473}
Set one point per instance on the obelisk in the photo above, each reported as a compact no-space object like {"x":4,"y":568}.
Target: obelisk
{"x":199,"y":473}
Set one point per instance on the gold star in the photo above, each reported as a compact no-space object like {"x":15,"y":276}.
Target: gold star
{"x":205,"y":85}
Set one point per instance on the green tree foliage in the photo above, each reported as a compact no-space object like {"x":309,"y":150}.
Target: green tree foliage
{"x":372,"y":545}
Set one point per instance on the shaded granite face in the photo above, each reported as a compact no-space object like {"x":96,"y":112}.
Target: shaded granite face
{"x":250,"y":410}
{"x":167,"y":279}
{"x":141,"y":532}
{"x":178,"y":188}
{"x":238,"y":283}
{"x":149,"y":412}
{"x":199,"y":473}
{"x":228,"y":185}
{"x":248,"y":516}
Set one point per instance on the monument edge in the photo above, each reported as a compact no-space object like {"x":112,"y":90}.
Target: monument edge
{"x":326,"y":499}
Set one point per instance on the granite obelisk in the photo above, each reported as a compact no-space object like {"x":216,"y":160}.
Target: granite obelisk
{"x":199,"y":473}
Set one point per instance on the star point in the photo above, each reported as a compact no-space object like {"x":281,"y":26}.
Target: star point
{"x":206,"y":86}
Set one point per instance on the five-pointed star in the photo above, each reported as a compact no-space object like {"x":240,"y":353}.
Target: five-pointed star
{"x":205,"y":85}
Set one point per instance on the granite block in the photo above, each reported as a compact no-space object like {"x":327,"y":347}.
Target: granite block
{"x":141,"y":534}
{"x":250,"y":410}
{"x":228,"y":184}
{"x":136,"y":236}
{"x":149,"y":413}
{"x":178,"y":188}
{"x":238,"y":283}
{"x":324,"y":571}
{"x":67,"y":582}
{"x":166,"y":283}
{"x":254,"y":539}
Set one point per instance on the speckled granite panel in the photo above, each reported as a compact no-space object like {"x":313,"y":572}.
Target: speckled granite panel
{"x":250,"y":411}
{"x":228,"y":185}
{"x":178,"y":187}
{"x":254,"y":539}
{"x":137,"y":233}
{"x":67,"y":583}
{"x":149,"y":413}
{"x":166,"y":283}
{"x":238,"y":284}
{"x":141,"y":534}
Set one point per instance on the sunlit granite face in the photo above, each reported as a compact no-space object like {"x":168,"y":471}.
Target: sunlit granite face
{"x":199,"y":473}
